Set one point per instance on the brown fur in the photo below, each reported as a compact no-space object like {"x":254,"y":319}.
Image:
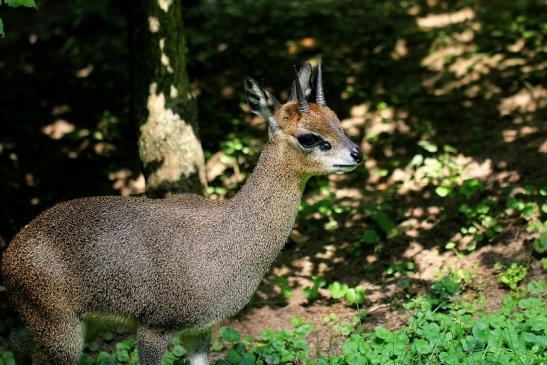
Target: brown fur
{"x":182,"y":263}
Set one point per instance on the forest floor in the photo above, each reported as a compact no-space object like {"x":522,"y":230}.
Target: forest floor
{"x":447,"y":100}
{"x":392,"y":275}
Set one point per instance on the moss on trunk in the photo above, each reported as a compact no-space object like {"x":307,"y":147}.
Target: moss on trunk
{"x":163,"y":107}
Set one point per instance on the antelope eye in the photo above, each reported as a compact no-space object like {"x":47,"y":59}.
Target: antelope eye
{"x":309,"y":140}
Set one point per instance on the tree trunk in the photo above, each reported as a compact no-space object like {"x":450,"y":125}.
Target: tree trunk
{"x":162,"y":104}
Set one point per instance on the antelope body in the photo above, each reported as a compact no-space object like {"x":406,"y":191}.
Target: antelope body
{"x":181,"y":263}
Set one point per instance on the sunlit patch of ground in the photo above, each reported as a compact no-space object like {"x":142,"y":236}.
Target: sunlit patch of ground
{"x":437,"y":93}
{"x":429,"y":225}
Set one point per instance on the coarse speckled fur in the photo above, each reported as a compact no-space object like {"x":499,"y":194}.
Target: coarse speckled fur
{"x":181,"y":263}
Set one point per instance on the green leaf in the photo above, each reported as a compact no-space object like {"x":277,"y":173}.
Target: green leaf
{"x":513,"y":275}
{"x":451,"y":357}
{"x":535,"y":339}
{"x":17,"y":3}
{"x":530,"y":304}
{"x":417,"y":160}
{"x":178,"y":350}
{"x":311,"y":292}
{"x":480,"y":331}
{"x":233,"y":357}
{"x":2,"y":34}
{"x":537,"y":286}
{"x":168,"y":359}
{"x":6,"y":357}
{"x":423,"y":346}
{"x":93,"y":346}
{"x":344,"y":328}
{"x":450,"y":245}
{"x":370,"y":237}
{"x":355,"y":295}
{"x":529,"y":209}
{"x":247,"y":359}
{"x":384,"y":334}
{"x":229,"y":334}
{"x":431,"y":331}
{"x":385,"y":224}
{"x":382,"y":105}
{"x":428,"y":146}
{"x":217,"y":346}
{"x":103,"y":356}
{"x":319,"y":281}
{"x":337,"y":290}
{"x":297,"y":321}
{"x":283,"y":283}
{"x":443,"y":190}
{"x":471,"y":186}
{"x":122,"y":355}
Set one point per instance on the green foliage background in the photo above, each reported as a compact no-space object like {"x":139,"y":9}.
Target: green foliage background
{"x":15,"y":4}
{"x":454,"y":162}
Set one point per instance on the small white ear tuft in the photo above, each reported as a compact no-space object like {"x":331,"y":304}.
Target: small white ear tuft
{"x":261,"y":102}
{"x":304,"y":77}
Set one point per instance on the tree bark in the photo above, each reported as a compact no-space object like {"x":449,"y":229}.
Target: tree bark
{"x":162,"y":105}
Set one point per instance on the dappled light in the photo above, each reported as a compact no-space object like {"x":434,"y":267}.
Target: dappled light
{"x":84,"y":72}
{"x":446,"y":99}
{"x":525,"y":100}
{"x":445,"y":19}
{"x":126,"y":184}
{"x":58,"y":129}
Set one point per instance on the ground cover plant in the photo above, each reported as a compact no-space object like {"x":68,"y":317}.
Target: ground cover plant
{"x":433,"y":253}
{"x":514,"y":334}
{"x":453,"y":332}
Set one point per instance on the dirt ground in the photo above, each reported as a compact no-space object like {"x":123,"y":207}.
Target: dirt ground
{"x":405,"y":82}
{"x":384,"y":299}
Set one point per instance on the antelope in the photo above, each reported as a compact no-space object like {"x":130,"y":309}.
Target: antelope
{"x":182,"y":263}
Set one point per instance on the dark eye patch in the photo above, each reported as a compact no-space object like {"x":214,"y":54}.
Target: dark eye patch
{"x":309,"y":140}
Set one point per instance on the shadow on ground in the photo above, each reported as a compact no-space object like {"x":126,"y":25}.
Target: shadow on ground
{"x":466,"y":74}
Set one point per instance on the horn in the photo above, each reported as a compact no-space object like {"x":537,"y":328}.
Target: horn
{"x":319,"y":94}
{"x":300,"y":98}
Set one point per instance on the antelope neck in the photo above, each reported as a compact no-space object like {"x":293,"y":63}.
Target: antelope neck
{"x":267,"y":205}
{"x":274,"y":185}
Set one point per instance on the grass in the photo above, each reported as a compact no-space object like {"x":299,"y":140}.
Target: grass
{"x":448,"y":144}
{"x":443,"y":329}
{"x":456,"y":332}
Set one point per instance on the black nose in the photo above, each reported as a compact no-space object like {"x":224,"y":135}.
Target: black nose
{"x":357,"y":155}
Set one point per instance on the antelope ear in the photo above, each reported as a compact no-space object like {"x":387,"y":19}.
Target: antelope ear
{"x":261,"y":101}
